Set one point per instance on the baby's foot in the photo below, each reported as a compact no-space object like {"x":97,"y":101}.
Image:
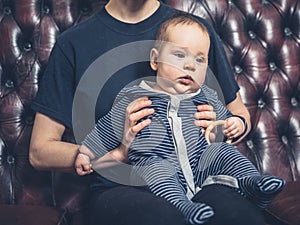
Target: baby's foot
{"x":270,"y":184}
{"x":197,"y":213}
{"x":261,"y":189}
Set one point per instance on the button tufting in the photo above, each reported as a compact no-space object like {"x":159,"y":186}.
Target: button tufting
{"x":249,"y":143}
{"x":284,"y":139}
{"x":238,"y":69}
{"x":46,"y":9}
{"x":27,"y":47}
{"x":251,"y":34}
{"x":9,"y":84}
{"x":261,"y":103}
{"x":265,"y":2}
{"x":287,"y":31}
{"x":10,"y":159}
{"x":294,"y":102}
{"x":7,"y":10}
{"x":272,"y":66}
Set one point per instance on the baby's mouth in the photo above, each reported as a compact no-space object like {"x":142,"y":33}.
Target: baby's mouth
{"x":186,"y":79}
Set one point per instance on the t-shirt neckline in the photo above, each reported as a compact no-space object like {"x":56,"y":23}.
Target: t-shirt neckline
{"x":133,"y":28}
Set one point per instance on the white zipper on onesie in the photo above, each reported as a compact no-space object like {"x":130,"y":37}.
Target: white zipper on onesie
{"x":179,"y":144}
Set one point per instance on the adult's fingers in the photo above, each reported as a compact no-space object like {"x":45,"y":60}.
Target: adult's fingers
{"x":205,"y":115}
{"x":139,"y":126}
{"x":136,"y":116}
{"x":135,"y":111}
{"x":137,"y":105}
{"x":206,"y":112}
{"x":203,"y":123}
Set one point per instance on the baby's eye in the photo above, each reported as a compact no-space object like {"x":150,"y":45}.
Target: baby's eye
{"x":200,"y":60}
{"x":179,"y":55}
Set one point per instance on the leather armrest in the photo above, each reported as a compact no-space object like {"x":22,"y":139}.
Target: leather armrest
{"x":286,"y":206}
{"x":31,"y":215}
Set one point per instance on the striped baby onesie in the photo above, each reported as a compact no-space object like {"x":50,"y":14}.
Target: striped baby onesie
{"x":172,"y":156}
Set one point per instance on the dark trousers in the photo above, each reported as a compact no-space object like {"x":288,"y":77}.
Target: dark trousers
{"x":135,"y":206}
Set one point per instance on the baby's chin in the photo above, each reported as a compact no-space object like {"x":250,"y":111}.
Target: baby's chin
{"x":185,"y":89}
{"x":177,"y":88}
{"x":182,"y":92}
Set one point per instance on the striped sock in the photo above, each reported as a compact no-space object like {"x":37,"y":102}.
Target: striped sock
{"x":196,"y":213}
{"x":270,"y":184}
{"x":261,"y":189}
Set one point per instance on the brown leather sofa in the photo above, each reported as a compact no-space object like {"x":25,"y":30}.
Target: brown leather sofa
{"x":262,"y":41}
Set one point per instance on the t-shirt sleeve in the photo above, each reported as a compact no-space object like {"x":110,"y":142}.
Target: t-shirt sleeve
{"x":56,"y":90}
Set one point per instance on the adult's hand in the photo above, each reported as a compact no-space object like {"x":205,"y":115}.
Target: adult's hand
{"x":135,"y":111}
{"x":204,"y":117}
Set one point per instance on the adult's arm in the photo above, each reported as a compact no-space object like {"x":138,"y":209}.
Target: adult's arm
{"x":49,"y":152}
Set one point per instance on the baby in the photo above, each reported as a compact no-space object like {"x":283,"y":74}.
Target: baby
{"x":171,"y":154}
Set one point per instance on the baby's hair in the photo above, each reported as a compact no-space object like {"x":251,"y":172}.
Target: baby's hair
{"x":179,"y":18}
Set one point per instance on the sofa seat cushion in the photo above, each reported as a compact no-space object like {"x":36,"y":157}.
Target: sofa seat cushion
{"x":31,"y":215}
{"x":286,"y":206}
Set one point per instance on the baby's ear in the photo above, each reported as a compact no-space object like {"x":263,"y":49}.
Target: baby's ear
{"x":153,"y":58}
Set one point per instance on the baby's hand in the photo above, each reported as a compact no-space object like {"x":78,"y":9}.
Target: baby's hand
{"x":233,"y":127}
{"x":83,"y":165}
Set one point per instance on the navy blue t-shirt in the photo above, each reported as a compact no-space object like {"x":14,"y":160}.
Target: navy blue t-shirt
{"x":108,"y":49}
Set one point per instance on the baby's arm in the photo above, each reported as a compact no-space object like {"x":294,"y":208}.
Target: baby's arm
{"x":234,"y":127}
{"x":83,"y":164}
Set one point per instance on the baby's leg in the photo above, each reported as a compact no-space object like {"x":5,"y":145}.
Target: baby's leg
{"x":224,"y":159}
{"x":162,"y":179}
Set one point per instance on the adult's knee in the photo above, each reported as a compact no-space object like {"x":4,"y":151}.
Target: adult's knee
{"x":229,"y":206}
{"x":236,"y":213}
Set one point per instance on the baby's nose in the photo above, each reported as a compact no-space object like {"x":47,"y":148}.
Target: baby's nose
{"x":190,"y":65}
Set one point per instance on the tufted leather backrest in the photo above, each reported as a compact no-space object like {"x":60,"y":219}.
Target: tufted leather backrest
{"x":262,"y":41}
{"x":28,"y":30}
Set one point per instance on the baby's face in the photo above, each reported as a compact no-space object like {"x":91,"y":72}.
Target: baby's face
{"x":182,"y":61}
